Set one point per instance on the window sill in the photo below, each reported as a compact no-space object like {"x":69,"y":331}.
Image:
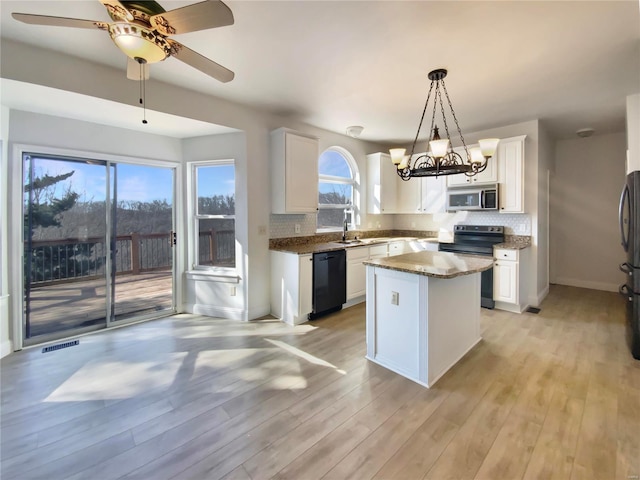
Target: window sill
{"x":224,"y":276}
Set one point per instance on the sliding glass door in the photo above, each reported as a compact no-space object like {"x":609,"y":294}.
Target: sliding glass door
{"x":98,"y":245}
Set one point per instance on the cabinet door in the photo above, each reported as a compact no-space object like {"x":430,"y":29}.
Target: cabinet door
{"x":396,"y":248}
{"x":301,"y":172}
{"x":356,"y":272}
{"x":505,"y":281}
{"x":511,"y":168}
{"x":434,"y":194}
{"x":381,"y":184}
{"x":305,"y":285}
{"x":487,"y":176}
{"x":409,"y":193}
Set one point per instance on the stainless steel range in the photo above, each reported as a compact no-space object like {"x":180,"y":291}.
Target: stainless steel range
{"x":477,"y":240}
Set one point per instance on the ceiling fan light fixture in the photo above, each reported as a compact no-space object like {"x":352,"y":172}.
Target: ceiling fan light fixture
{"x":138,"y":42}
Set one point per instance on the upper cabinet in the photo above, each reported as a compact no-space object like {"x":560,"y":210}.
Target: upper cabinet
{"x":511,"y":174}
{"x":294,"y":172}
{"x":421,"y":195}
{"x":382,"y":180}
{"x":488,"y":175}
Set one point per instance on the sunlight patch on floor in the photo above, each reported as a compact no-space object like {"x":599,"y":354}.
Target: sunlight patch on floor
{"x":107,"y":379}
{"x":304,"y":355}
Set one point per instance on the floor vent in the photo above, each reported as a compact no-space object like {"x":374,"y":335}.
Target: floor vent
{"x":52,"y":348}
{"x":533,"y":310}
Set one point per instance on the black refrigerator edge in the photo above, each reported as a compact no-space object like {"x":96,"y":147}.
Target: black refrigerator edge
{"x":629,"y":215}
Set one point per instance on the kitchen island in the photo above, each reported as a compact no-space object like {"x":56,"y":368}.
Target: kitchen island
{"x":423,"y":311}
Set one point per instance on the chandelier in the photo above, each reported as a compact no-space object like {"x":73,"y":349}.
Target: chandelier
{"x":441,"y":159}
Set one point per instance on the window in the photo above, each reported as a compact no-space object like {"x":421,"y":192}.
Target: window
{"x":337,"y":193}
{"x":214,"y":209}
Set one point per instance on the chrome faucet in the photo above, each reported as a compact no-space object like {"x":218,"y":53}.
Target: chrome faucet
{"x":345,"y":226}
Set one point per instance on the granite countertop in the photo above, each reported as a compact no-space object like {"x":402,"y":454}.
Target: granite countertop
{"x":331,"y":246}
{"x":514,"y":243}
{"x":434,"y":264}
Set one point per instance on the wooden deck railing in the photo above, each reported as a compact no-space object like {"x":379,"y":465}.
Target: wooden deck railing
{"x":70,"y":259}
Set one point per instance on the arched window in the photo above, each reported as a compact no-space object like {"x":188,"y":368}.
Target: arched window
{"x":338,"y":180}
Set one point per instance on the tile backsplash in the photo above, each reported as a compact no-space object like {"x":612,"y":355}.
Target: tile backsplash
{"x":514,"y":223}
{"x":284,"y":226}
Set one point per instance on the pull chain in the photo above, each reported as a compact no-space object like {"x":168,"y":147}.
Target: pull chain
{"x":143,"y":93}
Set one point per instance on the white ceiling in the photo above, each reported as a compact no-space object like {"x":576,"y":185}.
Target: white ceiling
{"x":333,"y":64}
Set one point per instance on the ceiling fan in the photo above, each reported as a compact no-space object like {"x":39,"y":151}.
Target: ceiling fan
{"x":141,"y":30}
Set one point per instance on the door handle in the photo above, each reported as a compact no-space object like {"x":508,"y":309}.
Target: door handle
{"x":482,"y":199}
{"x":623,"y":196}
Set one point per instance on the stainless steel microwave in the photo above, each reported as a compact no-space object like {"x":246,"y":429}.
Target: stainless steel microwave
{"x":479,"y":198}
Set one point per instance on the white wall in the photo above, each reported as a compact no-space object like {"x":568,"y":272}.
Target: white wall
{"x":5,"y":340}
{"x":585,"y":191}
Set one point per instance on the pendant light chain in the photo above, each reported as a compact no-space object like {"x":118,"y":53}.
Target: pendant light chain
{"x":143,"y":93}
{"x":426,"y":104}
{"x":453,"y":114}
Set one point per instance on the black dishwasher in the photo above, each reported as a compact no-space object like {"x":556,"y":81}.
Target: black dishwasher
{"x":329,"y":282}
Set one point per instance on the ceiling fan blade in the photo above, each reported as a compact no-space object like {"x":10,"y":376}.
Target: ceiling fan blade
{"x":133,"y":70}
{"x":200,"y":62}
{"x":199,"y":16}
{"x":117,"y":10}
{"x":59,"y":21}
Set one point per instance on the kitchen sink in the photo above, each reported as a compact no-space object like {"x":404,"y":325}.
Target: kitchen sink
{"x":349,"y":242}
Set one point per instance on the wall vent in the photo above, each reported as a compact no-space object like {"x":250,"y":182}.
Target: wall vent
{"x":533,"y":310}
{"x":58,"y":346}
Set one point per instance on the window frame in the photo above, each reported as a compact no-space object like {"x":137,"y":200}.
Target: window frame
{"x":353,"y":181}
{"x":195,"y":218}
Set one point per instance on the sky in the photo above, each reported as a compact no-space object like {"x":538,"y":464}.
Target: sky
{"x":135,"y":182}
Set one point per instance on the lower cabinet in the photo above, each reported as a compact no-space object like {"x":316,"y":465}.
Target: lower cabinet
{"x":509,"y":279}
{"x":291,"y":286}
{"x":356,"y":271}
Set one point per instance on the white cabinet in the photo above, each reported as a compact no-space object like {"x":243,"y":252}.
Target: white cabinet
{"x":397,"y":248}
{"x":381,"y":184}
{"x":511,"y":174}
{"x":294,"y":172}
{"x":378,"y":251}
{"x":356,"y":272}
{"x":422,"y":195}
{"x":487,"y":176}
{"x":291,"y":286}
{"x":509,"y":279}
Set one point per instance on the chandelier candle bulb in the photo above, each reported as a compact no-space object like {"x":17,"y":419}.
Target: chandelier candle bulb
{"x":397,"y":154}
{"x":488,"y":146}
{"x":439,"y":147}
{"x":476,"y":155}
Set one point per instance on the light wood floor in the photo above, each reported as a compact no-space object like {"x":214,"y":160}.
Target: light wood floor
{"x":553,"y":395}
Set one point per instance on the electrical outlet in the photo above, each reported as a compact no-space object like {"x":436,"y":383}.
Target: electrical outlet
{"x":297,"y":228}
{"x":395,"y":298}
{"x":232,"y":290}
{"x":262,"y":230}
{"x":413,"y":224}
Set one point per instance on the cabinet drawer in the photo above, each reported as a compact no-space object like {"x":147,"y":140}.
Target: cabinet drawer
{"x":501,"y":254}
{"x":378,"y":251}
{"x":357,"y":254}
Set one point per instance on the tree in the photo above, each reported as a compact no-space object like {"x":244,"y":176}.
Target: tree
{"x":44,"y":210}
{"x":45,"y":206}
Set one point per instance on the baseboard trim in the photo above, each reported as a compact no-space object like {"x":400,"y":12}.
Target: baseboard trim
{"x":572,"y":282}
{"x":213,"y":311}
{"x":6,"y":348}
{"x":259,"y":312}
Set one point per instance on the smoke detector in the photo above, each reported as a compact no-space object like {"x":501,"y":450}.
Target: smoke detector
{"x":585,"y":132}
{"x":355,"y":131}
